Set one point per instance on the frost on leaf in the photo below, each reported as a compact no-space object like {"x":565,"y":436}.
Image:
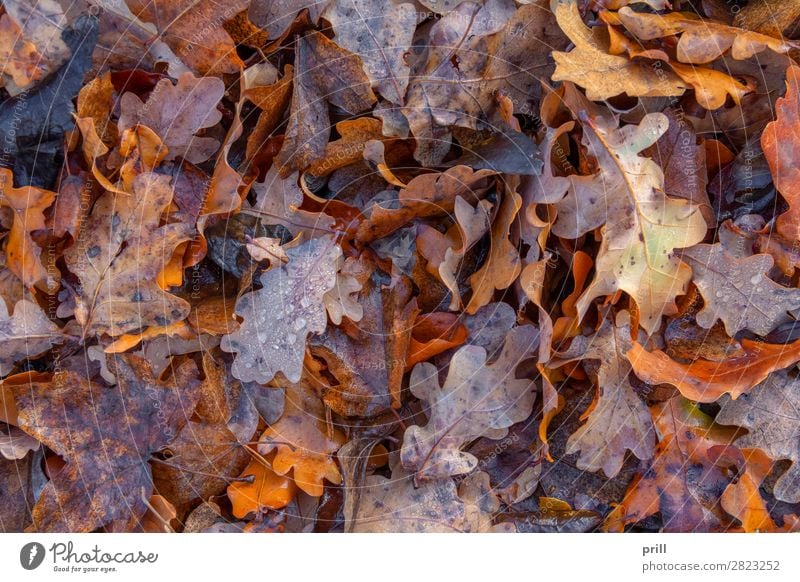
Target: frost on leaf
{"x":279,"y":317}
{"x":477,"y":400}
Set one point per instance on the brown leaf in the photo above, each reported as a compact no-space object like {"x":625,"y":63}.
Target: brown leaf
{"x":268,"y":490}
{"x":738,"y":291}
{"x":275,"y":16}
{"x":503,"y":265}
{"x":302,"y":440}
{"x":604,"y":75}
{"x":107,"y":476}
{"x":176,"y":113}
{"x":118,"y":256}
{"x":782,"y":149}
{"x":381,"y":34}
{"x":274,"y":340}
{"x":683,"y":483}
{"x":324,"y":74}
{"x":26,"y":333}
{"x":193,"y":29}
{"x":618,"y":420}
{"x":396,"y":505}
{"x":425,"y":196}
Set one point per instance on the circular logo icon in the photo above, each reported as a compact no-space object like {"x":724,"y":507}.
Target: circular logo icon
{"x":31,"y":555}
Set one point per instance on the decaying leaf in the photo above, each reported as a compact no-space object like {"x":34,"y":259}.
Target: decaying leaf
{"x":618,"y":420}
{"x":176,"y":113}
{"x":476,"y":400}
{"x":302,"y":440}
{"x":25,"y":333}
{"x":107,"y":468}
{"x":118,"y":256}
{"x":770,"y":413}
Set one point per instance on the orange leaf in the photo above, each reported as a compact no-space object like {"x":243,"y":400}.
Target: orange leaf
{"x":781,"y":144}
{"x":434,"y":333}
{"x":23,"y":255}
{"x":706,"y":381}
{"x":268,"y":490}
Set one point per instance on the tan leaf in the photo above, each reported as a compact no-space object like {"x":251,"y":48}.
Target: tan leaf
{"x":701,"y":41}
{"x":120,"y":252}
{"x":604,"y":75}
{"x":302,"y":440}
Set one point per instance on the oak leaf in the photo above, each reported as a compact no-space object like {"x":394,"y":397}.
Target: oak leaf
{"x":302,"y":440}
{"x":193,"y":29}
{"x":324,"y":74}
{"x":268,"y":490}
{"x":683,"y":483}
{"x":26,"y":333}
{"x":641,"y":225}
{"x":476,"y":400}
{"x":781,"y":147}
{"x":738,"y":291}
{"x":604,"y":75}
{"x":107,"y":476}
{"x":118,"y":256}
{"x":176,"y":113}
{"x":280,"y":316}
{"x":701,"y":41}
{"x":23,"y":255}
{"x":618,"y":420}
{"x":770,"y":413}
{"x":397,"y":505}
{"x":706,"y":380}
{"x":381,"y":34}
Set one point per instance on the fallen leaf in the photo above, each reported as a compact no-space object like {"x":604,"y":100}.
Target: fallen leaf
{"x":706,"y":380}
{"x":769,"y":412}
{"x":25,"y":333}
{"x":107,"y":476}
{"x":618,"y":420}
{"x":701,"y":41}
{"x":118,"y":256}
{"x":176,"y":113}
{"x":324,"y":74}
{"x":476,"y":400}
{"x":738,"y":291}
{"x":302,"y":441}
{"x":267,"y":490}
{"x":782,"y":149}
{"x":380,"y":34}
{"x":273,"y":340}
